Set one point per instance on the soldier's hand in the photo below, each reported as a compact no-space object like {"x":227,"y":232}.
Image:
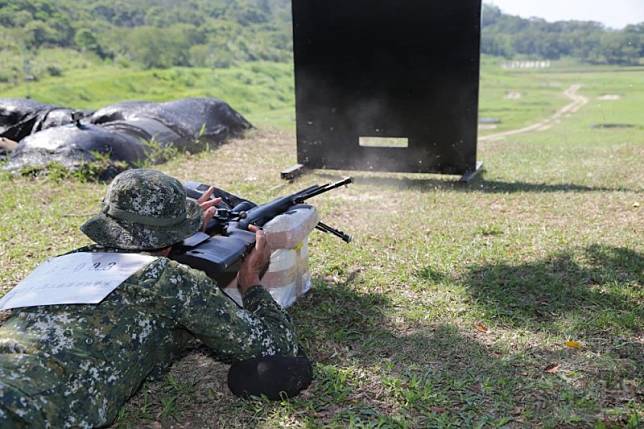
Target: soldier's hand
{"x":255,"y":263}
{"x":208,"y":206}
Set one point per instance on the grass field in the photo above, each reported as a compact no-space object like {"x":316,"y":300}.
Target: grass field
{"x":515,"y":301}
{"x":261,"y":91}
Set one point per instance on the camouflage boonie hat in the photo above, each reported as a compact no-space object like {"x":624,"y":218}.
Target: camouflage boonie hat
{"x":144,"y":210}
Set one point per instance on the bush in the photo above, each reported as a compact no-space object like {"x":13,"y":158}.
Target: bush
{"x":54,"y":71}
{"x":5,"y":77}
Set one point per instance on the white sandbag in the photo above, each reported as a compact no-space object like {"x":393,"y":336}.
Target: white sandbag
{"x":285,"y":296}
{"x":288,"y":276}
{"x":291,"y":228}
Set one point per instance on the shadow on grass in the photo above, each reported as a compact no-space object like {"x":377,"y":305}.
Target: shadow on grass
{"x":591,"y":290}
{"x":341,"y":315}
{"x":371,"y":366}
{"x":479,"y":185}
{"x":371,"y":372}
{"x":367,"y":366}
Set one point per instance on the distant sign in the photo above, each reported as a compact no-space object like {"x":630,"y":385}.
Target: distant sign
{"x":78,"y":278}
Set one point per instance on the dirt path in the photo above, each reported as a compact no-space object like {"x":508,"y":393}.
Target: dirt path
{"x":578,"y":101}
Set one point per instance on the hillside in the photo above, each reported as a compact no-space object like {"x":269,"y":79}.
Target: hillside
{"x":147,"y":33}
{"x":221,"y":33}
{"x":261,"y":91}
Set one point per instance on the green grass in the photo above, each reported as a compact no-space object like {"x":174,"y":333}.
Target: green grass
{"x":263,"y":92}
{"x":15,"y":64}
{"x":453,"y":300}
{"x":541,"y":91}
{"x":539,"y":97}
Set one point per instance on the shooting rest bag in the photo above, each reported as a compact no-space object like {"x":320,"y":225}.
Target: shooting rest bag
{"x":288,"y":276}
{"x":276,"y":377}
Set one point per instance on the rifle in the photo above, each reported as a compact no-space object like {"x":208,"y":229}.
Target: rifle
{"x":220,"y":250}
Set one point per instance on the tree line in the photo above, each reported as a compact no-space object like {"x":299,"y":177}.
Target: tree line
{"x":511,"y":36}
{"x":153,"y":33}
{"x":219,"y":33}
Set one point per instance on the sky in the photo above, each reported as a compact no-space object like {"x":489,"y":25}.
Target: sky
{"x":612,"y":13}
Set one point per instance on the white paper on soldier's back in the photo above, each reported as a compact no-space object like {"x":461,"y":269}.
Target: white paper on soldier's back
{"x":77,"y":278}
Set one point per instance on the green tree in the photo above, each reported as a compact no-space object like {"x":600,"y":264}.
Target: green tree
{"x":86,"y":40}
{"x":38,"y":34}
{"x":618,"y":48}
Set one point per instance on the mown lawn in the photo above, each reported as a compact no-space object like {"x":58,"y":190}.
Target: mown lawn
{"x":515,"y":301}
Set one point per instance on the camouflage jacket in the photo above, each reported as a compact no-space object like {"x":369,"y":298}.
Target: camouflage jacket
{"x":76,"y":365}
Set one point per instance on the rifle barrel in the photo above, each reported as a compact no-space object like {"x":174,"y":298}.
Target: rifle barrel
{"x":322,"y":189}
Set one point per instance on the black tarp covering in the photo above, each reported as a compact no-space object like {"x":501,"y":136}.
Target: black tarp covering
{"x":20,"y":118}
{"x":150,"y":130}
{"x":206,"y":119}
{"x":72,"y":146}
{"x":127,"y":132}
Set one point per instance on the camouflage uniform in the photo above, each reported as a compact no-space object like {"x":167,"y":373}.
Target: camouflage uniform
{"x":75,"y":365}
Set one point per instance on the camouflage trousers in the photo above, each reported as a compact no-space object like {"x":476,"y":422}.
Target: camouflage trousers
{"x":76,"y":365}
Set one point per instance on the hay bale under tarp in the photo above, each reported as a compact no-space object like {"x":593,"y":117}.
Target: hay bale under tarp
{"x":21,"y":118}
{"x":149,"y":130}
{"x":129,"y":134}
{"x":206,"y":119}
{"x":73,"y":147}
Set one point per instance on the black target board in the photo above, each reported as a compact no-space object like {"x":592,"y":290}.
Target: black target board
{"x":387,"y":85}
